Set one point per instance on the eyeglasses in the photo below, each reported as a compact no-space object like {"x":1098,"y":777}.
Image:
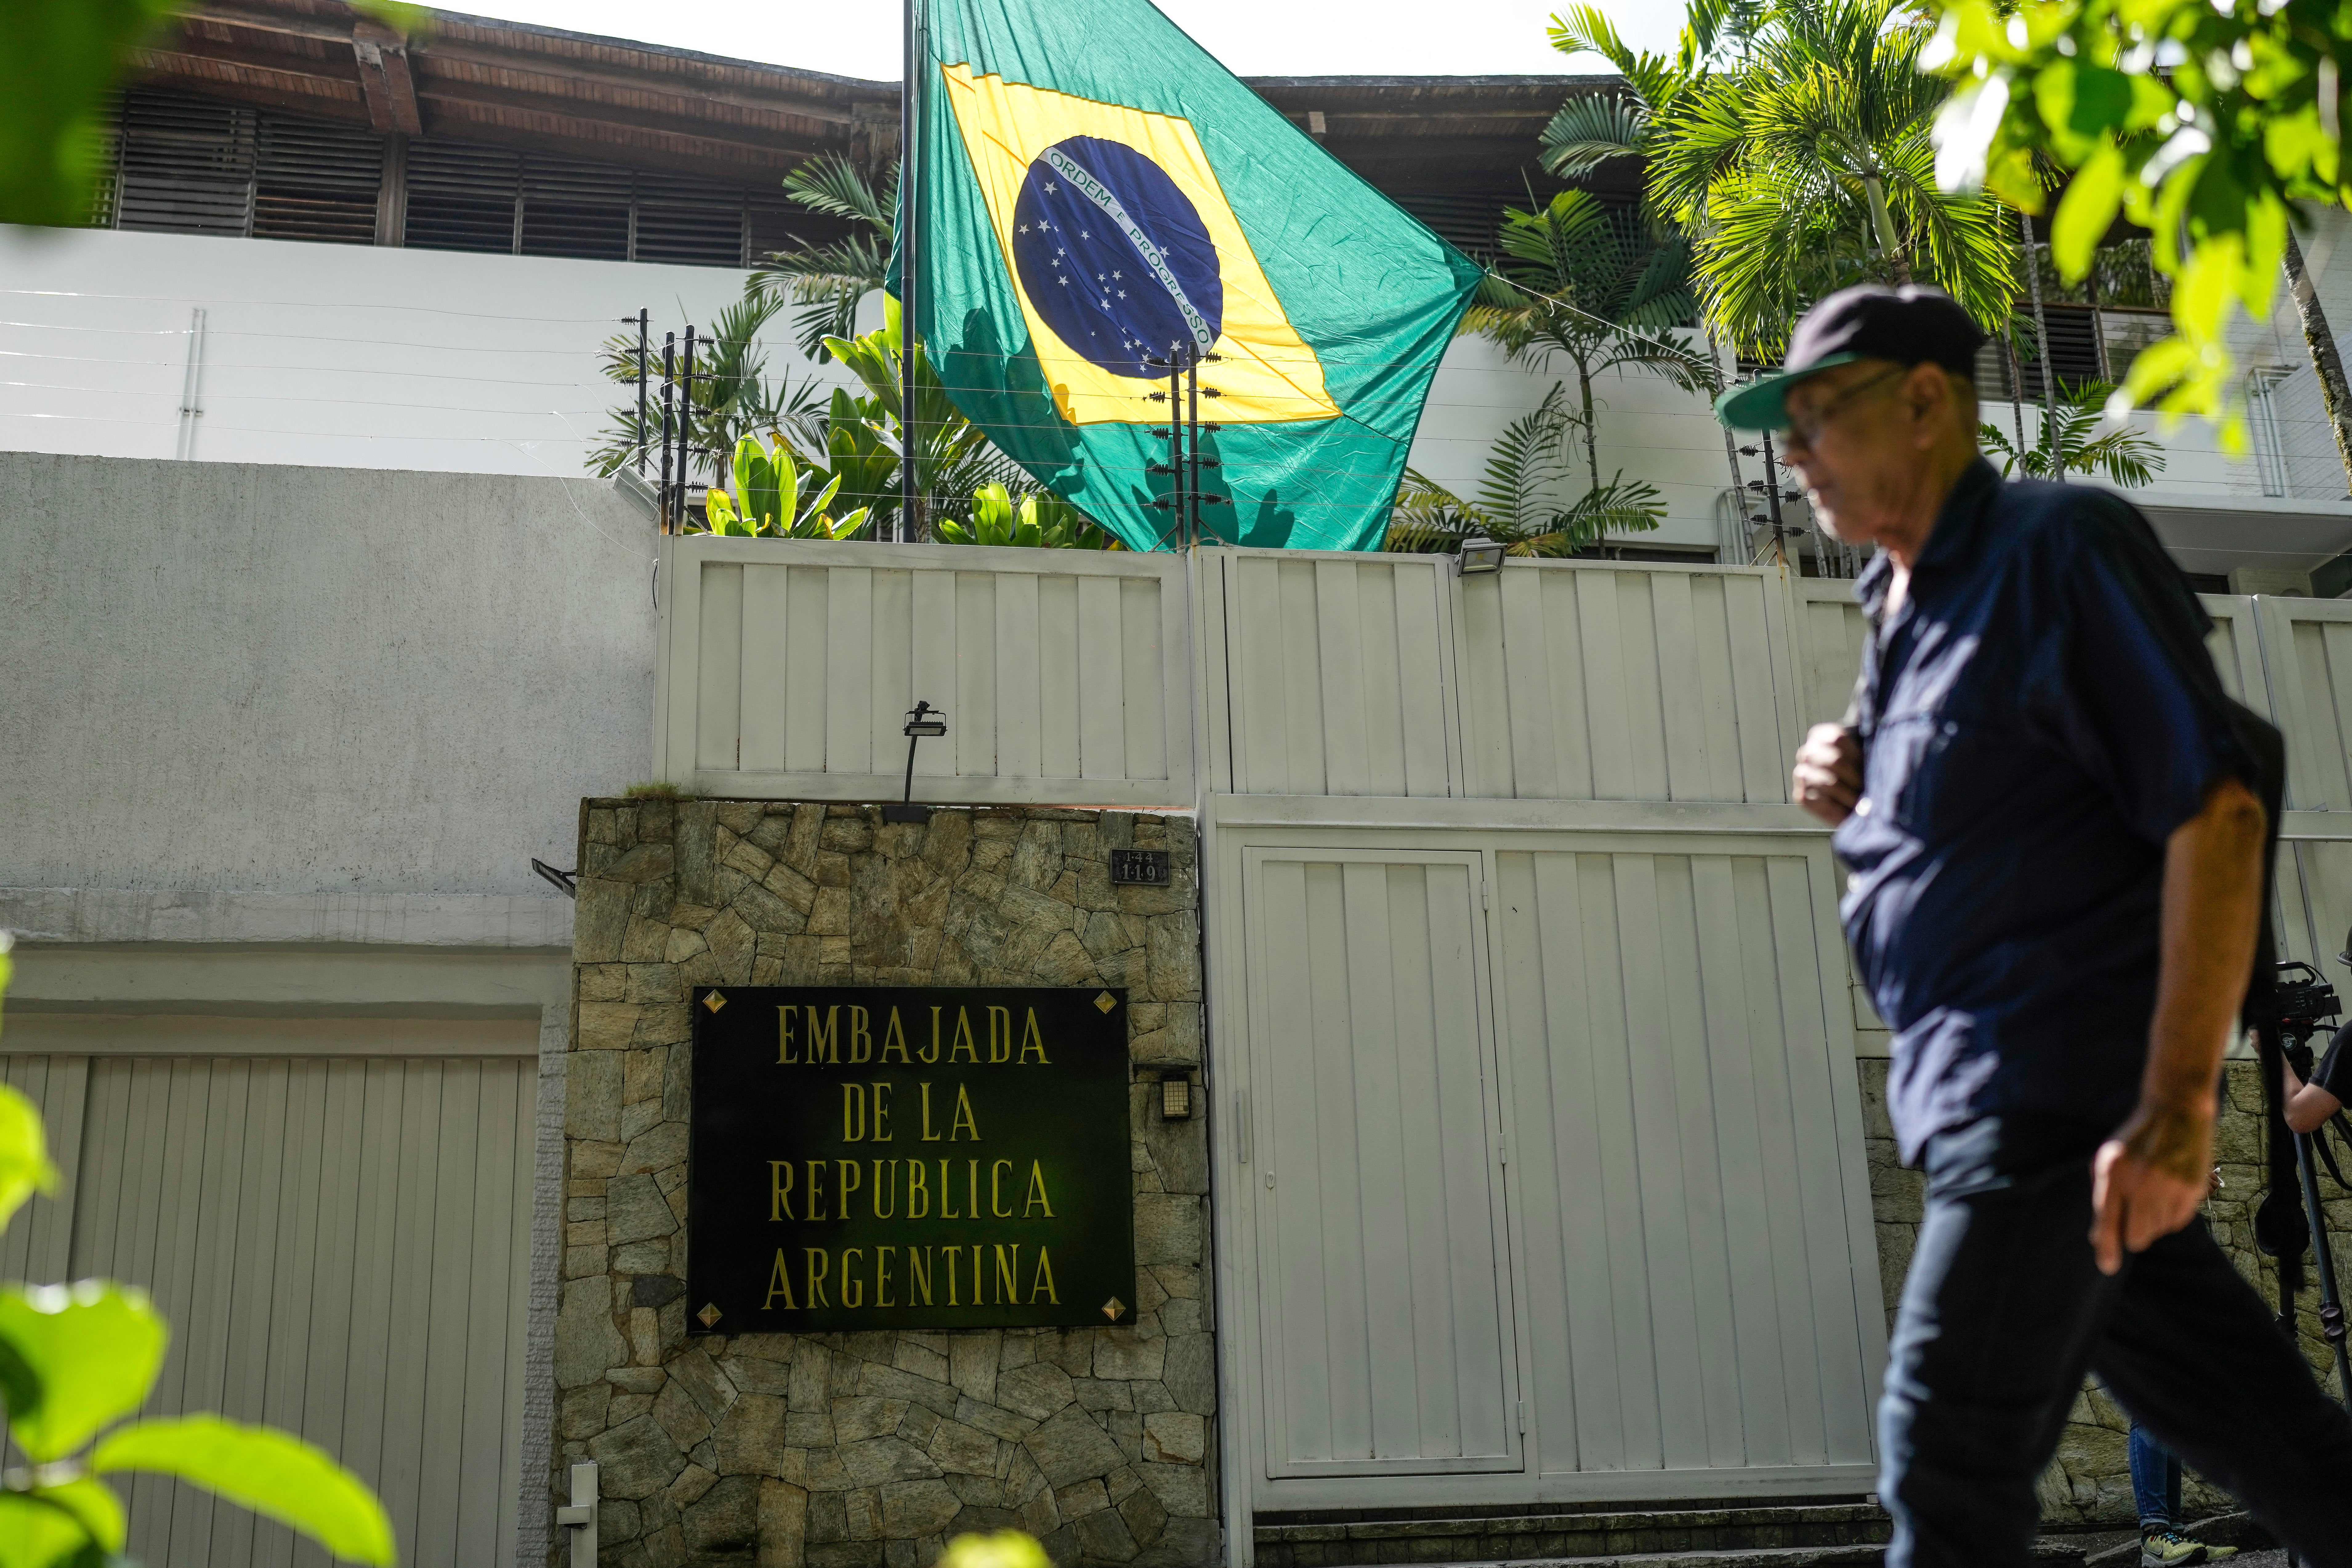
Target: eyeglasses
{"x":1809,"y":430}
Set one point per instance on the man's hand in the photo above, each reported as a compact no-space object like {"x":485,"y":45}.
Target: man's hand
{"x":2147,"y":1180}
{"x":1827,"y":779}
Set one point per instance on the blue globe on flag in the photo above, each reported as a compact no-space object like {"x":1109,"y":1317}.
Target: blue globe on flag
{"x":1116,"y":259}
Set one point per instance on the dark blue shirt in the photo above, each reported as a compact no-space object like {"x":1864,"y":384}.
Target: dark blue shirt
{"x":2036,"y":718}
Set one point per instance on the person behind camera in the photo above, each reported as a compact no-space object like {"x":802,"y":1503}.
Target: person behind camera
{"x":2311,"y":1100}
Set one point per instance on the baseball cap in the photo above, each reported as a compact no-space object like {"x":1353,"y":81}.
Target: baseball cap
{"x":1910,"y":325}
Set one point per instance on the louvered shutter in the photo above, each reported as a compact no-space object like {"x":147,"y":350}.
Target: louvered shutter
{"x":316,"y":181}
{"x":698,"y":222}
{"x":572,"y":208}
{"x":187,"y":165}
{"x":1467,"y":220}
{"x":462,"y":196}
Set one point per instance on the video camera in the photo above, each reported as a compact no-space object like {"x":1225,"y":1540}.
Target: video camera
{"x":2306,"y":1006}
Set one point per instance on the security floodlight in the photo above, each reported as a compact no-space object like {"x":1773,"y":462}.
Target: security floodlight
{"x":1479,"y":553}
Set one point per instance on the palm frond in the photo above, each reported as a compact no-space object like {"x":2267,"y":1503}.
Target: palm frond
{"x":1778,"y":164}
{"x":831,"y":279}
{"x":1587,"y":132}
{"x":837,"y":187}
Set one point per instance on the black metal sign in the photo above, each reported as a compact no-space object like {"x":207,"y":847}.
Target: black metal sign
{"x":936,"y":1157}
{"x":1139,"y":867}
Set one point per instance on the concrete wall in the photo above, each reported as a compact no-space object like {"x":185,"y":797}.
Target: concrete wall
{"x":246,"y":676}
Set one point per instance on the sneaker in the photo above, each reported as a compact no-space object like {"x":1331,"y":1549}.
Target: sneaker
{"x":2169,"y":1549}
{"x":2215,"y":1554}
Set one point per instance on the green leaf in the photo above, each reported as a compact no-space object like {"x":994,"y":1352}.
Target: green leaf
{"x":46,"y":1529}
{"x":2087,"y":211}
{"x":784,"y":497}
{"x":273,"y":1473}
{"x":95,"y":1346}
{"x":25,"y":1167}
{"x":91,"y":1502}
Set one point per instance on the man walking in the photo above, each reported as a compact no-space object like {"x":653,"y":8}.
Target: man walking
{"x":2051,"y":819}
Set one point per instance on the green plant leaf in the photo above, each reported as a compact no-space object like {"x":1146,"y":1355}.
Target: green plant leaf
{"x":95,"y":1347}
{"x":273,"y":1473}
{"x":49,"y":1528}
{"x":2086,"y":211}
{"x":25,"y":1167}
{"x":93,"y":1504}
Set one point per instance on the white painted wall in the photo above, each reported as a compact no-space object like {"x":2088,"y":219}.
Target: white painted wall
{"x":244,"y":676}
{"x":349,"y":355}
{"x":373,"y":357}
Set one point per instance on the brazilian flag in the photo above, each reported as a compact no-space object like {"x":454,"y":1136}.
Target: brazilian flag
{"x":1094,"y":192}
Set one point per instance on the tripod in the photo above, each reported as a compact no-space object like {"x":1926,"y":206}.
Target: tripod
{"x":2298,"y":1031}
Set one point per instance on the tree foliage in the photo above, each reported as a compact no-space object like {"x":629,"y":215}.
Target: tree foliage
{"x":2072,"y":440}
{"x":76,"y":1360}
{"x":729,"y":398}
{"x":1599,"y":289}
{"x":1520,"y":501}
{"x":1040,"y":520}
{"x":1805,"y":164}
{"x":2209,"y":126}
{"x":829,"y":281}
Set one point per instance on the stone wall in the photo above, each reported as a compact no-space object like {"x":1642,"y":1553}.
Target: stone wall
{"x":867,"y":1450}
{"x":2090,"y":1480}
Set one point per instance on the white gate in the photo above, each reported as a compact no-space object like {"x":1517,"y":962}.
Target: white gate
{"x":1382,"y":1280}
{"x":1695,"y":1216}
{"x":1626,"y":1023}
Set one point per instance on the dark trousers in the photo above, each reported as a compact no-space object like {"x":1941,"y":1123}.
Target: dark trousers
{"x":2004,"y":1311}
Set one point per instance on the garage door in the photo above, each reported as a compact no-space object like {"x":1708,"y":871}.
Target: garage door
{"x":342,"y":1247}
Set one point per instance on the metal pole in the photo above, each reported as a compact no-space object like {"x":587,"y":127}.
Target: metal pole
{"x":1176,"y":496}
{"x":644,"y":322}
{"x":686,"y":423}
{"x":909,"y":271}
{"x":1192,"y":446}
{"x":1772,"y":500}
{"x":670,"y":371}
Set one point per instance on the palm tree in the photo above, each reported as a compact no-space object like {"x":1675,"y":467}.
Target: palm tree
{"x":1590,"y":130}
{"x":2070,"y":442}
{"x":1576,"y":281}
{"x":829,"y":281}
{"x":1806,"y":166}
{"x":730,"y":396}
{"x":1517,"y":503}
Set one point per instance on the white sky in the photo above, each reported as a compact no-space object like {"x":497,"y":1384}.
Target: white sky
{"x":1253,"y":37}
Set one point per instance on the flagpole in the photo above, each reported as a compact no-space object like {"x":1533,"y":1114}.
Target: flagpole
{"x":908,"y":271}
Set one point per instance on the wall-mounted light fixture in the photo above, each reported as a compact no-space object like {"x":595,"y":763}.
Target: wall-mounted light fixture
{"x":921,"y":720}
{"x":1176,"y":1097}
{"x":564,"y":882}
{"x":1479,"y":553}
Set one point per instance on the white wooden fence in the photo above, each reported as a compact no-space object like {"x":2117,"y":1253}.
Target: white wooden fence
{"x":1535,"y":1114}
{"x":787,"y":668}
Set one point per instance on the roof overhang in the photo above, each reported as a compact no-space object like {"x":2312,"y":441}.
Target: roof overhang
{"x":2269,"y":534}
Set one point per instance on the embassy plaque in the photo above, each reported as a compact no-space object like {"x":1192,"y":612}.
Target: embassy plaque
{"x":876,"y":1157}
